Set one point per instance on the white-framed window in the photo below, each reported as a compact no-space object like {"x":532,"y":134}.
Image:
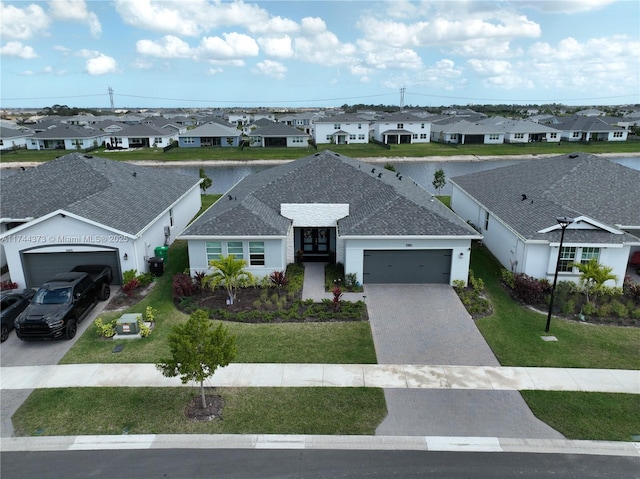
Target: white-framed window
{"x":157,"y":140}
{"x":486,"y":220}
{"x":171,"y":217}
{"x":454,"y":136}
{"x":189,"y":140}
{"x":414,"y":136}
{"x":336,"y":126}
{"x":576,"y":134}
{"x":519,"y":136}
{"x":553,"y":136}
{"x":588,"y":253}
{"x":352,"y":137}
{"x":361,"y":136}
{"x":494,"y":136}
{"x":329,"y":137}
{"x":235,"y":248}
{"x":359,"y":126}
{"x":423,"y":136}
{"x":567,"y":258}
{"x":617,"y":134}
{"x":214,"y":250}
{"x":574,"y":254}
{"x":422,"y":125}
{"x":400,"y":126}
{"x":256,"y":253}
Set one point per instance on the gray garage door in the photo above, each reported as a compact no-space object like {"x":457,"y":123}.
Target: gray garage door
{"x":41,"y":267}
{"x":414,"y":266}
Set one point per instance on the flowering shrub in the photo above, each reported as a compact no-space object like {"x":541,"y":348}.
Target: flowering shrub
{"x":6,"y":285}
{"x":130,"y":286}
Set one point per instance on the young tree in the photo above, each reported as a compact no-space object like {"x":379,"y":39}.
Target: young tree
{"x":593,"y":275}
{"x":206,"y":181}
{"x":228,"y":273}
{"x":197,"y":350}
{"x":439,"y":180}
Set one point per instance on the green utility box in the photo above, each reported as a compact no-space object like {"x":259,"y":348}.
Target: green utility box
{"x":162,"y":252}
{"x":128,"y":324}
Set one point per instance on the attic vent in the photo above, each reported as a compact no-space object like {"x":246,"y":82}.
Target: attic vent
{"x":524,"y":197}
{"x":135,"y":174}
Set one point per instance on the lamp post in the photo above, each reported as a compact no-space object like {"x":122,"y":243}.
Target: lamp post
{"x":563,"y":222}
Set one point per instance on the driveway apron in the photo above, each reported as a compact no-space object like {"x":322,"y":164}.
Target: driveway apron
{"x":427,"y":324}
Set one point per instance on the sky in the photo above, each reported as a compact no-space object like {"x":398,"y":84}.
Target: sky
{"x":308,"y":53}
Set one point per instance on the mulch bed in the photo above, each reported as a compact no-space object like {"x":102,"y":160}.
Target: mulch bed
{"x":122,"y":301}
{"x":195,"y":411}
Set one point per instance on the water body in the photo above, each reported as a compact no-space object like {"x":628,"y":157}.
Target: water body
{"x":226,"y":176}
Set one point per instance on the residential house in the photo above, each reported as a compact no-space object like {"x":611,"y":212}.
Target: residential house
{"x":62,"y":136}
{"x":278,"y":134}
{"x":590,"y":128}
{"x":80,"y":209}
{"x":464,"y":132}
{"x":244,"y":118}
{"x":525,"y":131}
{"x":515,"y":208}
{"x":341,"y":130}
{"x":142,"y":136}
{"x":210,"y":134}
{"x":401,"y":128}
{"x":327,"y":207}
{"x":13,"y":139}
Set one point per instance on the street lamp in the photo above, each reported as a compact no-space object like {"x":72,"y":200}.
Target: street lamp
{"x":563,"y":221}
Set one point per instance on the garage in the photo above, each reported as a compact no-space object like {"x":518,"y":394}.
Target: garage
{"x":41,"y":267}
{"x":409,"y":267}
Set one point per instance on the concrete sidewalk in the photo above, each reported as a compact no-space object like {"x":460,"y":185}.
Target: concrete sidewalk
{"x":390,"y":376}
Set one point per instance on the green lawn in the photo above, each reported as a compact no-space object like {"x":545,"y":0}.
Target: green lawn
{"x":354,"y":150}
{"x":514,"y":332}
{"x":87,"y":411}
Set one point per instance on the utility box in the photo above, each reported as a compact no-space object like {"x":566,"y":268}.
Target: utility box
{"x":128,"y":324}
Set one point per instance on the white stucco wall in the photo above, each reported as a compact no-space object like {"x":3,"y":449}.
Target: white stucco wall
{"x":314,"y":214}
{"x":356,"y":128}
{"x":354,"y":252}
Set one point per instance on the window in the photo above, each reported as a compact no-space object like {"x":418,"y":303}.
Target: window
{"x":157,"y":140}
{"x":235,"y":248}
{"x":336,"y":126}
{"x":617,"y":134}
{"x":214,"y":250}
{"x":454,"y":136}
{"x":589,"y":253}
{"x":553,"y":136}
{"x":576,"y":134}
{"x":188,"y":140}
{"x":256,"y":253}
{"x":329,"y":137}
{"x":519,"y":136}
{"x":171,"y":216}
{"x":359,"y":126}
{"x":486,"y":221}
{"x":423,"y":136}
{"x":414,"y":136}
{"x":400,"y":126}
{"x":567,"y":258}
{"x":352,"y":137}
{"x":494,"y":136}
{"x":361,"y":136}
{"x":422,"y":125}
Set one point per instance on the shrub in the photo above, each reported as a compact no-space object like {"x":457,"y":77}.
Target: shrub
{"x":618,"y":309}
{"x":568,"y":307}
{"x":279,"y":279}
{"x":198,"y":278}
{"x":508,"y":278}
{"x":458,"y":285}
{"x":589,"y":309}
{"x":182,"y":285}
{"x":529,"y":289}
{"x":351,"y":281}
{"x":8,"y":285}
{"x":631,"y":288}
{"x":105,"y":330}
{"x":476,"y":283}
{"x":128,"y":275}
{"x":145,"y":279}
{"x":130,"y":287}
{"x":604,"y":310}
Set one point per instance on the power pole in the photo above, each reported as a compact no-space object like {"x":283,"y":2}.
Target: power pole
{"x":402,"y":98}
{"x":110,"y":90}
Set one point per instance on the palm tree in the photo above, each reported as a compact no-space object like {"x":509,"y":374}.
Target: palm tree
{"x":228,"y":271}
{"x":593,"y":275}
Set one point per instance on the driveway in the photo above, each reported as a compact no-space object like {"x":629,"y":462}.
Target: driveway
{"x":427,"y":324}
{"x":14,"y":352}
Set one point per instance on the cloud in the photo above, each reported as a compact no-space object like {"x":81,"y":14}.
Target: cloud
{"x":17,"y":49}
{"x":231,"y":45}
{"x":213,"y":71}
{"x":75,"y":10}
{"x":280,"y":47}
{"x":22,"y":23}
{"x":169,"y":47}
{"x":271,"y":69}
{"x":98,"y":63}
{"x":565,"y":6}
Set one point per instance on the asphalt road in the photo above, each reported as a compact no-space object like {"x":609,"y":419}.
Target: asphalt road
{"x":309,"y":464}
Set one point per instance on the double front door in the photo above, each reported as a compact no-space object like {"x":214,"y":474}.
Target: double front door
{"x":315,"y":243}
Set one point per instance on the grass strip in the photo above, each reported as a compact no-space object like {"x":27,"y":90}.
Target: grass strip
{"x":112,"y":411}
{"x":589,"y":416}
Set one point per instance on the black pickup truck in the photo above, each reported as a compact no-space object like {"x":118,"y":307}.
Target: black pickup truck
{"x":61,"y":303}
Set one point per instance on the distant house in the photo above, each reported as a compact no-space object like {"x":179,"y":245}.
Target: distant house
{"x":278,"y":134}
{"x":328,"y":207}
{"x":11,"y":139}
{"x":524,"y":131}
{"x":62,"y":136}
{"x":301,"y":121}
{"x":341,"y":130}
{"x":210,"y":134}
{"x":466,"y":133}
{"x":515,"y":208}
{"x":81,"y":209}
{"x":589,"y":128}
{"x":141,"y":136}
{"x":401,"y":128}
{"x":244,"y":118}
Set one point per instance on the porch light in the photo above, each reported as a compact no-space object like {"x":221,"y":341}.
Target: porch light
{"x":563,"y":221}
{"x":125,"y":257}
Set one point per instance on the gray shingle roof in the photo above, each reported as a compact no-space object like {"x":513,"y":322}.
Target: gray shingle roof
{"x":570,"y":185}
{"x":101,"y":190}
{"x":379,"y":206}
{"x":277,"y":129}
{"x":210,"y":129}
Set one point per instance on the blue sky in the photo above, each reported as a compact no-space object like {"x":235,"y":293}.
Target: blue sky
{"x":308,"y":53}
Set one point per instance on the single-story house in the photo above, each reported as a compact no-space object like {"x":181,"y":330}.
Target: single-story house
{"x":278,"y":134}
{"x":590,"y":128}
{"x":515,"y":208}
{"x":142,"y":136}
{"x":401,"y":128}
{"x":81,"y":209}
{"x":327,"y":207}
{"x":11,"y":139}
{"x":210,"y":134}
{"x":62,"y":136}
{"x":341,"y":129}
{"x":464,"y":132}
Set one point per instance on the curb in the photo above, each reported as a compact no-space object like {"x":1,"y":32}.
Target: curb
{"x":277,"y":441}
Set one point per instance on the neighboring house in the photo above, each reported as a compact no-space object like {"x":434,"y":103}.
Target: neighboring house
{"x":341,"y":130}
{"x":244,"y":118}
{"x":515,"y":208}
{"x":278,"y":134}
{"x":525,"y":131}
{"x":11,"y":139}
{"x":210,"y":134}
{"x":301,"y":121}
{"x":326,"y":207}
{"x":590,"y":128}
{"x":141,"y":136}
{"x":466,"y":133}
{"x":80,"y":209}
{"x":261,"y":123}
{"x":66,"y":137}
{"x":401,"y":128}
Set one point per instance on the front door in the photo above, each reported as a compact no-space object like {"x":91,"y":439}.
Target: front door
{"x":315,"y":243}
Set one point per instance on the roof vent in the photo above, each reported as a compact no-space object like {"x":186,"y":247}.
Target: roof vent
{"x":88,"y":156}
{"x":574,"y":155}
{"x":379,"y":175}
{"x":135,"y":174}
{"x":524,"y":197}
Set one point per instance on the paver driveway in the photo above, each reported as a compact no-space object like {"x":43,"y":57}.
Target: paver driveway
{"x":427,"y":324}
